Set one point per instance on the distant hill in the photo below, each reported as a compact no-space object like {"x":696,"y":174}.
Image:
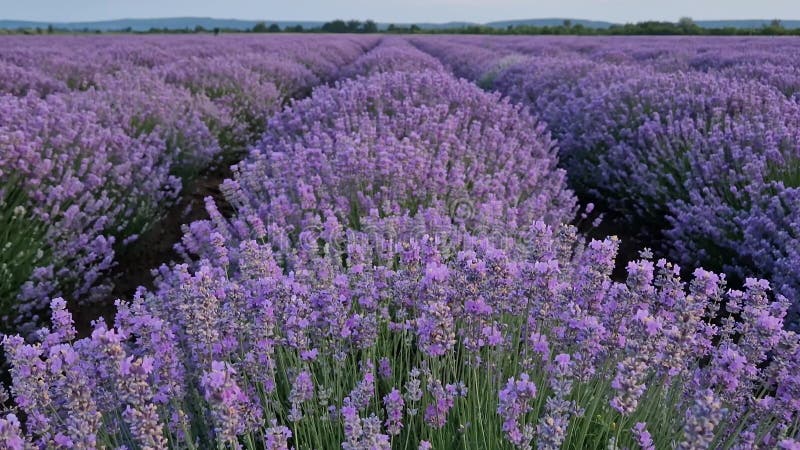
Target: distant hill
{"x":173,"y":23}
{"x":428,"y":26}
{"x":549,"y":23}
{"x":177,"y":23}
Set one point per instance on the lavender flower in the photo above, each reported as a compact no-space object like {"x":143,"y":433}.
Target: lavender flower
{"x":702,"y":418}
{"x":302,"y":391}
{"x":277,"y":437}
{"x":11,"y":435}
{"x":231,"y":410}
{"x":393,"y":402}
{"x":643,"y":437}
{"x":515,"y":403}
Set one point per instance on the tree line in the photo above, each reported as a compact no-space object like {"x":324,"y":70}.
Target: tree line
{"x":684,"y":27}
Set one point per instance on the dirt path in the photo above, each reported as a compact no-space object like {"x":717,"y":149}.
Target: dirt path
{"x":155,"y":247}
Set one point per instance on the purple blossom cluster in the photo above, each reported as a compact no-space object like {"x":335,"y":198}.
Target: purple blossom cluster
{"x":693,"y":143}
{"x":515,"y":402}
{"x":245,"y":96}
{"x":397,"y":144}
{"x":84,"y":180}
{"x":392,"y":55}
{"x":20,"y":81}
{"x":99,"y":136}
{"x":251,"y":337}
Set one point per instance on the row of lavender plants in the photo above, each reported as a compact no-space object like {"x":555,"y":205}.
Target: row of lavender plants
{"x":683,"y":139}
{"x":397,"y":274}
{"x":771,"y":61}
{"x":99,"y":136}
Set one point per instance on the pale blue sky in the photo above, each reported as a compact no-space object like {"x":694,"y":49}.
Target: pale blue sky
{"x":400,"y":10}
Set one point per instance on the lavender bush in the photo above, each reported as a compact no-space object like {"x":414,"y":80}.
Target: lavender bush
{"x":397,"y":143}
{"x":704,"y":162}
{"x":144,"y":105}
{"x":78,"y":181}
{"x":18,"y":81}
{"x":94,"y":156}
{"x":239,"y":91}
{"x":392,"y":55}
{"x":409,"y":346}
{"x":785,"y":79}
{"x":438,"y":339}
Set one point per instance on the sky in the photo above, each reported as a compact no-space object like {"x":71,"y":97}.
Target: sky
{"x":400,"y":11}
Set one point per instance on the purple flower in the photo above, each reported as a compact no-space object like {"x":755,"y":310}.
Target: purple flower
{"x":643,"y":437}
{"x":393,"y":402}
{"x":277,"y":437}
{"x":231,"y":409}
{"x":385,"y":368}
{"x":516,"y":400}
{"x":302,"y":391}
{"x":11,"y":435}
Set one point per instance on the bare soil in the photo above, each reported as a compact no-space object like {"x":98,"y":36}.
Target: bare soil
{"x":155,"y":247}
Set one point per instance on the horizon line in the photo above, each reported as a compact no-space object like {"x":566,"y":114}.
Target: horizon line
{"x":386,"y":21}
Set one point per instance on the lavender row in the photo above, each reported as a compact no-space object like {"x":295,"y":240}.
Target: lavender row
{"x":392,"y":54}
{"x":770,"y":61}
{"x":74,"y":62}
{"x":415,"y":346}
{"x":85,"y":171}
{"x":703,"y":162}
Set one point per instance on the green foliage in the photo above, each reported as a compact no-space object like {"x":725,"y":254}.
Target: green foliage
{"x":22,"y":246}
{"x":351,"y":26}
{"x":260,"y":27}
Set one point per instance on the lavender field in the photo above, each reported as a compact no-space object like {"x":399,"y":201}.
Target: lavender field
{"x":418,"y":242}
